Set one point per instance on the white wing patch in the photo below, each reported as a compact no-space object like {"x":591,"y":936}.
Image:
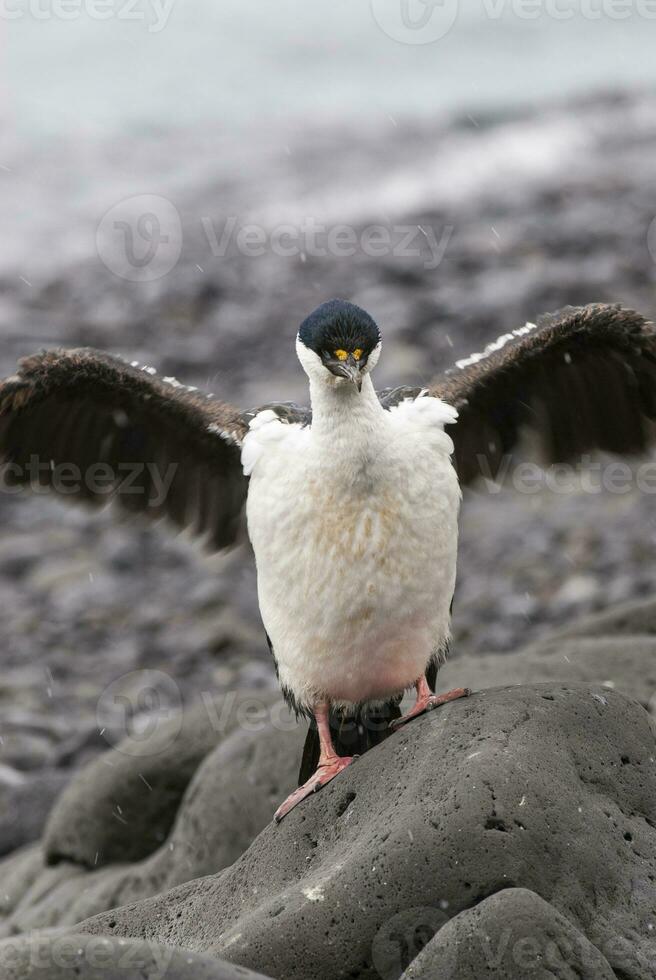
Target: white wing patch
{"x":428,"y":415}
{"x":225,"y":434}
{"x":173,"y":382}
{"x":266,"y":433}
{"x":495,"y":346}
{"x":425,"y":410}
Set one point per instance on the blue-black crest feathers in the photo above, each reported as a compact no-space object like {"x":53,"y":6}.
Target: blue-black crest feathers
{"x":338,"y":324}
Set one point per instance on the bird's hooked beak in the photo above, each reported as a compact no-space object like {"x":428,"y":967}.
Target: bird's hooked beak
{"x":351,"y":371}
{"x":349,"y":368}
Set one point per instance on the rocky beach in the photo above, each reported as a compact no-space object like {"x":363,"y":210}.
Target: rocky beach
{"x":509,"y":832}
{"x":489,"y":219}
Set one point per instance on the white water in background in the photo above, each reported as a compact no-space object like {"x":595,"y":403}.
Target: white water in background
{"x":238,"y":64}
{"x":93,"y":111}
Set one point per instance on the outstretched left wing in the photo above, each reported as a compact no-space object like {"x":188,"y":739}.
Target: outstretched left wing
{"x":93,"y":428}
{"x":579,"y":380}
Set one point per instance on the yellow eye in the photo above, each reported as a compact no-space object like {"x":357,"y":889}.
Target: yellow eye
{"x":341,"y":355}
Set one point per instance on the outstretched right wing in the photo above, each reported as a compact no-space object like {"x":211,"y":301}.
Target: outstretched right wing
{"x":94,"y":428}
{"x":578,"y":380}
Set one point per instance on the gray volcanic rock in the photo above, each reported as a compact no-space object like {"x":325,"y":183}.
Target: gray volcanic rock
{"x":230,"y":799}
{"x":513,"y":934}
{"x":19,"y":871}
{"x":121,"y":807}
{"x":622,"y":663}
{"x":549,"y":788}
{"x":25,"y":804}
{"x":102,"y":958}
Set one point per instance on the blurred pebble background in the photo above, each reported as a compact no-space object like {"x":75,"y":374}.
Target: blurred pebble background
{"x":516,"y":154}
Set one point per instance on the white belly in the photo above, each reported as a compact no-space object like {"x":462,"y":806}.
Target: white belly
{"x":356,"y":565}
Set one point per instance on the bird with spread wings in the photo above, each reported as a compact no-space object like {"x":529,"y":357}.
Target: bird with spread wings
{"x":351,"y":505}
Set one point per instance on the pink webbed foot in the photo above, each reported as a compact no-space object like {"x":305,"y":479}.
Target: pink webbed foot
{"x":324,"y":774}
{"x":427,"y":701}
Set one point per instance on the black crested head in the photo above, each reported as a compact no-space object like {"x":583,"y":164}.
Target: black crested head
{"x":339,"y":326}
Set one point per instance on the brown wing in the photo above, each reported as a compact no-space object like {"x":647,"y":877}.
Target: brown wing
{"x":93,"y":428}
{"x":581,"y":379}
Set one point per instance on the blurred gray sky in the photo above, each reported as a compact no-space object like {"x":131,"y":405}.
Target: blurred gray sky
{"x":103,"y":100}
{"x":258,"y":65}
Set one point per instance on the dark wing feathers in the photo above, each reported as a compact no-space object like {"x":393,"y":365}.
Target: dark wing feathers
{"x":390,"y":397}
{"x":581,"y":379}
{"x":93,"y":427}
{"x":288,"y":412}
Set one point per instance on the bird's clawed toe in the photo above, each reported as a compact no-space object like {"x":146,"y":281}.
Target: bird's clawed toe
{"x":324,"y":774}
{"x":427,"y":703}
